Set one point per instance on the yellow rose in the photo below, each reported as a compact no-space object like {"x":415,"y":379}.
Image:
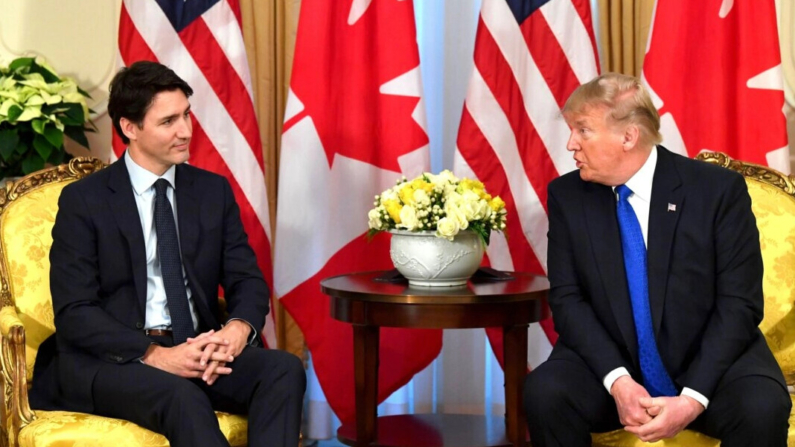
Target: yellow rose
{"x":393,"y":207}
{"x":497,"y":204}
{"x":406,"y":194}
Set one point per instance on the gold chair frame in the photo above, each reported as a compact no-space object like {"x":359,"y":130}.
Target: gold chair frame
{"x":763,"y":174}
{"x":16,"y":409}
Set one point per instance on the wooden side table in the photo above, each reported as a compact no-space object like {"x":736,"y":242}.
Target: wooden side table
{"x":368,"y":305}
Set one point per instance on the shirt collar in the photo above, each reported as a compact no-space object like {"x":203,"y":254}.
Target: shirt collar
{"x":640,"y":183}
{"x":143,"y":179}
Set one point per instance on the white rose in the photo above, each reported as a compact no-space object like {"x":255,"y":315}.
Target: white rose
{"x":447,"y":228}
{"x":408,"y":218}
{"x":421,"y":198}
{"x":390,"y":194}
{"x":375,"y":219}
{"x":447,"y":176}
{"x":453,"y":211}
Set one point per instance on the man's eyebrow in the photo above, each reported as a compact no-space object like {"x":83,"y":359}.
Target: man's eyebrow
{"x":174,"y":115}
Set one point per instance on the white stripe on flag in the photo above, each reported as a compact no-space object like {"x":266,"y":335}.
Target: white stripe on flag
{"x":540,"y":104}
{"x":221,"y":21}
{"x":492,"y":122}
{"x":570,"y":31}
{"x":155,"y":28}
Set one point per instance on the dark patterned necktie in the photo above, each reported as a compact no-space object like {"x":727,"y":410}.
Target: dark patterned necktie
{"x":655,"y":377}
{"x":171,"y":265}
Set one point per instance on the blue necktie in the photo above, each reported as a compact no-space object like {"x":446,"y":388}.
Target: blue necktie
{"x":171,"y":266}
{"x":655,"y":377}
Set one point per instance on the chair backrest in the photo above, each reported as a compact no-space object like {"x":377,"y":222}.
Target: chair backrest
{"x":27,"y":213}
{"x":773,"y":203}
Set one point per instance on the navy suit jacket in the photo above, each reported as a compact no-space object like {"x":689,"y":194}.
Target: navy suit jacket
{"x":98,"y":276}
{"x":704,"y":271}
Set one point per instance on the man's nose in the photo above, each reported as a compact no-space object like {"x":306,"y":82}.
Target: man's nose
{"x":573,"y":144}
{"x":185,"y":129}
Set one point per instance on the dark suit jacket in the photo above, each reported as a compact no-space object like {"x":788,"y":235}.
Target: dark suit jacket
{"x":705,"y":276}
{"x":98,"y":276}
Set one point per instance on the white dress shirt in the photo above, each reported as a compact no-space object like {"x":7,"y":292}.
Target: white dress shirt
{"x":157,"y":315}
{"x":640,"y":184}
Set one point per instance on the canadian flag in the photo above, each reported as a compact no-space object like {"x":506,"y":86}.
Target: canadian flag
{"x":714,"y":70}
{"x":354,"y":124}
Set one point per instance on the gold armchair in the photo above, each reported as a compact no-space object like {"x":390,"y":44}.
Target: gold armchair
{"x":773,"y":203}
{"x":27,"y":213}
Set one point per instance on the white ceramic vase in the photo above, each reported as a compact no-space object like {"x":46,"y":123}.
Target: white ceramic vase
{"x":430,"y":261}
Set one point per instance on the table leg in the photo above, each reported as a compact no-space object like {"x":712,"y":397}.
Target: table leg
{"x":514,"y":344}
{"x":365,"y":359}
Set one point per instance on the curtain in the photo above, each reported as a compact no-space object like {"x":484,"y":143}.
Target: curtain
{"x":269,"y":29}
{"x":623,"y":29}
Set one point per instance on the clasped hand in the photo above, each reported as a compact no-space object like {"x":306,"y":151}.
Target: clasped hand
{"x":652,"y":419}
{"x":205,"y":356}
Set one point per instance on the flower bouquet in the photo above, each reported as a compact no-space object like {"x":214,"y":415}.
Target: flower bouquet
{"x":442,"y":203}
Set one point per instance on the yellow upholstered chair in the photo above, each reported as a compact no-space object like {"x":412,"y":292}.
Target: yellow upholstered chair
{"x":773,"y":203}
{"x":27,"y":213}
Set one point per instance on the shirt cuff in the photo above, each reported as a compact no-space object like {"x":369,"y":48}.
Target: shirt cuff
{"x":698,"y":397}
{"x":253,"y":335}
{"x":612,"y":376}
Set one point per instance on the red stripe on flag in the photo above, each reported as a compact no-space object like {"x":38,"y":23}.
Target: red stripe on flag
{"x":497,"y":74}
{"x":224,"y":80}
{"x":234,"y":5}
{"x":480,"y":156}
{"x":549,"y":57}
{"x":132,"y":45}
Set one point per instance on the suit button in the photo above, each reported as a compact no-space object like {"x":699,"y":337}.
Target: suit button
{"x":139,"y":325}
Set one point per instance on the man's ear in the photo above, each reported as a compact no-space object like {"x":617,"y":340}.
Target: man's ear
{"x":129,"y":128}
{"x":631,"y":137}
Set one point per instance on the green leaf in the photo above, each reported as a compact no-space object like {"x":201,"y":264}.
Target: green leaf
{"x":20,"y":62}
{"x":9,"y":139}
{"x":482,"y":230}
{"x":49,"y":77}
{"x":78,"y":135}
{"x":32,"y":163}
{"x":43,"y":147}
{"x":38,"y":126}
{"x":54,"y":136}
{"x":85,"y":93}
{"x":13,"y":113}
{"x":22,"y":148}
{"x":75,"y":112}
{"x":56,"y":158}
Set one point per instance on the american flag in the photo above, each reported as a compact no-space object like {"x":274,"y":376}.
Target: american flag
{"x":529,"y":57}
{"x":202,"y":42}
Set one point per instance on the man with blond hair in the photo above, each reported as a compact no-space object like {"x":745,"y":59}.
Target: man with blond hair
{"x":656,"y":289}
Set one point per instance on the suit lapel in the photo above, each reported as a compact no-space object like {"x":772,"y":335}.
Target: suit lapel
{"x":187,"y":213}
{"x":125,"y":211}
{"x":600,"y":212}
{"x":188,"y":216}
{"x":667,"y":202}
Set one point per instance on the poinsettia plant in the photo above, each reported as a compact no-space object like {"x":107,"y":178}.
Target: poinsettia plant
{"x":37,"y":108}
{"x":442,"y":203}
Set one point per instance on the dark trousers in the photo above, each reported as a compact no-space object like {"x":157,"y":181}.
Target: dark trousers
{"x":565,"y":402}
{"x":267,"y":385}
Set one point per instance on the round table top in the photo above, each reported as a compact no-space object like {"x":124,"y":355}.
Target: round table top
{"x":363,"y":286}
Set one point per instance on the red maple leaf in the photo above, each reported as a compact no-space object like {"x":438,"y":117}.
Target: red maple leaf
{"x":338,"y":70}
{"x":699,"y":64}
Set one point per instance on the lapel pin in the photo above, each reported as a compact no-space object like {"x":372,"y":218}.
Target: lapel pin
{"x":671,"y":208}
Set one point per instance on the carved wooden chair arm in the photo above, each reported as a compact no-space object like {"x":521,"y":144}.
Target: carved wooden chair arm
{"x":17,"y":412}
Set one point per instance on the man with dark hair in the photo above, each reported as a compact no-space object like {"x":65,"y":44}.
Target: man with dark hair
{"x":656,"y":289}
{"x":139,"y":252}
